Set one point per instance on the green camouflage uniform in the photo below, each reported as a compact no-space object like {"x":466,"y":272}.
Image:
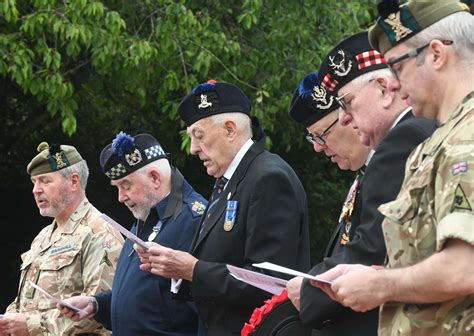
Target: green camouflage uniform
{"x":79,"y":261}
{"x":434,"y":204}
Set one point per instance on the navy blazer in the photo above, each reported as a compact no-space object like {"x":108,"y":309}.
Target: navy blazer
{"x":140,"y":303}
{"x":271,"y":224}
{"x":380,"y":184}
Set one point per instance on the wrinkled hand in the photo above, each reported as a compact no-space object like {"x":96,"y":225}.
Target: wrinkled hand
{"x":166,"y":262}
{"x":359,"y":287}
{"x":14,"y":324}
{"x":81,"y":302}
{"x":294,"y":291}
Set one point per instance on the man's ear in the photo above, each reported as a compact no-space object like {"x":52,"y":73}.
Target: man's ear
{"x":75,"y":181}
{"x":155,"y":177}
{"x":387,"y":95}
{"x":231,"y":129}
{"x":439,"y":54}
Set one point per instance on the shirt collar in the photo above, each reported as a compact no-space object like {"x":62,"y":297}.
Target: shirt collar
{"x":238,"y":157}
{"x":76,"y":216}
{"x":400,"y":116}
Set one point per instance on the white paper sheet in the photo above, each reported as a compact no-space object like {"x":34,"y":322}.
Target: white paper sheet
{"x":285,"y":270}
{"x":125,"y":232}
{"x":54,"y":299}
{"x":267,"y":283}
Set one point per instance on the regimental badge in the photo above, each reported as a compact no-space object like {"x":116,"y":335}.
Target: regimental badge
{"x":341,"y":66}
{"x":134,"y":157}
{"x":319,"y":94}
{"x":230,"y":215}
{"x":198,"y":207}
{"x":204,"y":102}
{"x":395,"y":23}
{"x":460,"y":200}
{"x":59,"y":160}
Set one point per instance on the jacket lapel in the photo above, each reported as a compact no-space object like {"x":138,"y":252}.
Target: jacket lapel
{"x":210,"y":220}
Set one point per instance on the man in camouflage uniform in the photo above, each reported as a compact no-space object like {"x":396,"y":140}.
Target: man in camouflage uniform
{"x":429,"y":229}
{"x":74,"y":255}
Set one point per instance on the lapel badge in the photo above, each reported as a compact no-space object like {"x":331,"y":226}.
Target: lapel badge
{"x":204,"y":102}
{"x":398,"y":28}
{"x":134,"y":157}
{"x":230,"y":215}
{"x":340,"y":67}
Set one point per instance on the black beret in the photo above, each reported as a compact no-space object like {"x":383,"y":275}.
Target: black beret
{"x":350,"y":59}
{"x":212,"y":98}
{"x":127,"y":154}
{"x":311,"y":101}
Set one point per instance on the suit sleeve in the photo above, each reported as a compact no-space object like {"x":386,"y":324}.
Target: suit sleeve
{"x":274,"y":232}
{"x":103,"y":316}
{"x":381,"y":184}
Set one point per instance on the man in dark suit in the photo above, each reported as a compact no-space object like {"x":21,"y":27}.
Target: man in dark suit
{"x":359,"y":76}
{"x":258,"y":212}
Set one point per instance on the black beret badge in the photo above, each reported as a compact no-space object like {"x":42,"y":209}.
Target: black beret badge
{"x":124,"y":145}
{"x":310,"y":86}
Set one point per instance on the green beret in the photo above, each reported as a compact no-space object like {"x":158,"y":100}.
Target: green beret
{"x":396,"y":23}
{"x":52,"y":158}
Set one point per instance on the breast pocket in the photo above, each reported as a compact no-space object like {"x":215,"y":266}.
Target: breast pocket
{"x":62,"y":273}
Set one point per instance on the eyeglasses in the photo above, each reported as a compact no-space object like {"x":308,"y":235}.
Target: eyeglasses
{"x":345,"y":105}
{"x":412,"y":53}
{"x":320,"y":139}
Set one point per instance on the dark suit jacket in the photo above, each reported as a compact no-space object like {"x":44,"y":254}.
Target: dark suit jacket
{"x":380,"y":184}
{"x":271,"y":225}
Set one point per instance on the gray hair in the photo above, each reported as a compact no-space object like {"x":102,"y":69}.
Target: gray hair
{"x":161,"y":165}
{"x":242,"y":121}
{"x":365,"y":78}
{"x":458,"y":27}
{"x":81,"y":169}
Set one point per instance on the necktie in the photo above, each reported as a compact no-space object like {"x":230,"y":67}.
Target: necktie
{"x":218,"y":187}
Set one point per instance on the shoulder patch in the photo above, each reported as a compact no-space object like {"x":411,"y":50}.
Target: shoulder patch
{"x":197,"y":208}
{"x":460,"y":200}
{"x":460,"y":167}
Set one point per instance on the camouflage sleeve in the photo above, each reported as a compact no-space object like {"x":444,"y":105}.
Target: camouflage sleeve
{"x":454,"y":198}
{"x":99,"y":257}
{"x":12,"y":307}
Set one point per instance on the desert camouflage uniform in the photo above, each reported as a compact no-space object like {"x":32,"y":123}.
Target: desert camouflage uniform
{"x":434,"y":204}
{"x":79,"y":261}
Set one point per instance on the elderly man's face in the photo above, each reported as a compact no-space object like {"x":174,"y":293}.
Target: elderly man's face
{"x":342,"y":143}
{"x":211,"y":143}
{"x":51,"y":193}
{"x":363,"y":111}
{"x":136,"y":192}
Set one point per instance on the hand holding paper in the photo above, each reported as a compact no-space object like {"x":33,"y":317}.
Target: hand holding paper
{"x":58,"y":301}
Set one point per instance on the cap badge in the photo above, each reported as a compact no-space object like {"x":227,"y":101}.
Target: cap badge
{"x":399,"y":29}
{"x":133,"y":158}
{"x":320,"y":95}
{"x":59,"y":160}
{"x":204,"y":102}
{"x":341,"y":68}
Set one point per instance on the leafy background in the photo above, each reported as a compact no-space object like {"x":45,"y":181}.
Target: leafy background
{"x":79,"y":71}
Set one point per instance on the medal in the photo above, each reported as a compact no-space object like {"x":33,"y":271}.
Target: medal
{"x":156,"y":231}
{"x":230,"y":215}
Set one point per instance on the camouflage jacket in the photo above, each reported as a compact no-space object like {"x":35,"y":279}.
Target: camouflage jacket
{"x":434,"y":204}
{"x":79,"y":261}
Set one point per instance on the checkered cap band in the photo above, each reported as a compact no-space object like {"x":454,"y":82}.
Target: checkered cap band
{"x":116,"y":171}
{"x":154,"y":151}
{"x":328,"y":83}
{"x":369,"y":58}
